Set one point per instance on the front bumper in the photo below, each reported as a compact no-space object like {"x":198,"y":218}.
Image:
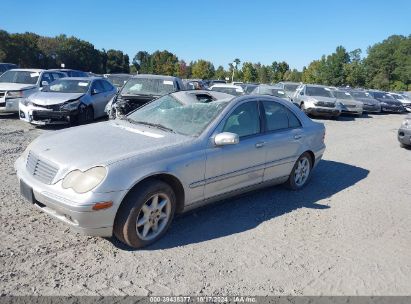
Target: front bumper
{"x":372,"y":108}
{"x":75,"y":210}
{"x":42,"y":116}
{"x":323,"y":111}
{"x":392,"y":109}
{"x":10,"y":105}
{"x":404,"y":136}
{"x":355,"y":111}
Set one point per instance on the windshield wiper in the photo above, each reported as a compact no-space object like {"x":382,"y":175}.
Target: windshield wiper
{"x":158,"y":126}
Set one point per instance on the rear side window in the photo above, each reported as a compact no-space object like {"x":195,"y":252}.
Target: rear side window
{"x":97,"y":87}
{"x":107,"y":86}
{"x":278,"y":117}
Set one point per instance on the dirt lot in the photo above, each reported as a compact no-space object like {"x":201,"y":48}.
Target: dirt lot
{"x":347,"y":233}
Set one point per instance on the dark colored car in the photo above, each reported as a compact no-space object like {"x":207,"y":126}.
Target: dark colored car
{"x":370,"y":105}
{"x":141,"y":89}
{"x":388,"y":103}
{"x":71,"y":73}
{"x":7,"y":66}
{"x":404,"y":132}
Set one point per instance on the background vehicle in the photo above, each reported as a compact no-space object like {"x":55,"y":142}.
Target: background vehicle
{"x":68,"y":100}
{"x":172,"y":155}
{"x":317,"y":100}
{"x":406,"y":102}
{"x":7,"y":66}
{"x":195,"y":84}
{"x":264,"y":89}
{"x":370,"y":104}
{"x":387,"y":102}
{"x":289,"y":87}
{"x":139,"y":90}
{"x":18,"y":84}
{"x":71,"y":73}
{"x":248,"y":88}
{"x":348,"y":104}
{"x":404,"y":132}
{"x":118,"y":80}
{"x":227,"y":88}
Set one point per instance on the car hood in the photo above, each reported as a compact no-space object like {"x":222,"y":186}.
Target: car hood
{"x":11,"y":86}
{"x":102,"y":143}
{"x":321,"y":98}
{"x":51,"y":98}
{"x":349,"y":102}
{"x":367,"y":100}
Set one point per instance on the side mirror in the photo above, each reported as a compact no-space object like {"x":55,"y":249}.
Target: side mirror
{"x":44,"y":83}
{"x":94,"y":92}
{"x":226,"y":138}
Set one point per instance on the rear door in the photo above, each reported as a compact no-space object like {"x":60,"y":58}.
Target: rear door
{"x":98,"y":98}
{"x":234,"y":167}
{"x":282,"y":139}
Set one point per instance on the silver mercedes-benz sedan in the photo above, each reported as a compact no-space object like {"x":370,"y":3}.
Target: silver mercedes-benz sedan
{"x":130,"y":176}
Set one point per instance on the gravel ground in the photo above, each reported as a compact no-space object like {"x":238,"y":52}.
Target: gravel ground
{"x":346,"y":233}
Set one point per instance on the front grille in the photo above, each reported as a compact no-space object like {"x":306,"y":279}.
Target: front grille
{"x":52,"y":107}
{"x":325,"y":104}
{"x":2,"y":93}
{"x":41,"y":170}
{"x":351,"y":106}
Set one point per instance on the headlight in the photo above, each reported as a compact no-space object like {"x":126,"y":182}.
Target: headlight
{"x":26,"y":102}
{"x":14,"y":94}
{"x":71,"y":105}
{"x":384,"y":103}
{"x":406,"y":123}
{"x":82,"y":182}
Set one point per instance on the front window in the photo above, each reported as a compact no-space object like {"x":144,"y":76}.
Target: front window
{"x":342,"y":95}
{"x":68,"y":86}
{"x":317,"y":91}
{"x":26,"y":77}
{"x":360,"y":94}
{"x":291,"y":87}
{"x":244,"y":120}
{"x":148,"y":86}
{"x":170,"y":113}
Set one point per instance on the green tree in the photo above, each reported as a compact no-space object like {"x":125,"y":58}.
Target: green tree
{"x":202,"y":69}
{"x":220,"y":73}
{"x":163,"y":63}
{"x":249,"y":72}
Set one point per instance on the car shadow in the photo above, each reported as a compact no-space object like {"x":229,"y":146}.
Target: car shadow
{"x":242,"y":213}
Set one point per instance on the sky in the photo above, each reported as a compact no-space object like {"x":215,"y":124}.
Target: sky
{"x":219,"y":31}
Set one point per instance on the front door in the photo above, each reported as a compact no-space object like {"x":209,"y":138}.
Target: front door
{"x":234,"y":167}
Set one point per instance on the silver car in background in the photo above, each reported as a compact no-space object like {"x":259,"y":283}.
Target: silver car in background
{"x":17,"y":84}
{"x":68,"y":100}
{"x":228,"y":88}
{"x":348,"y":104}
{"x":174,"y":154}
{"x":317,"y":100}
{"x":264,"y":89}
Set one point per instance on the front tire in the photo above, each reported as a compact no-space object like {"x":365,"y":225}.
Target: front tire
{"x":145,"y":214}
{"x":85,"y":114}
{"x":301,"y":172}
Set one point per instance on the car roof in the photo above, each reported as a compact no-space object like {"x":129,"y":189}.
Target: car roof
{"x":151,"y":76}
{"x":190,"y":96}
{"x":226,"y":85}
{"x":28,"y":70}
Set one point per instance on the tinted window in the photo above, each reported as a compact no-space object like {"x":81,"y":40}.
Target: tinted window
{"x":97,"y":87}
{"x":279,"y":117}
{"x":28,"y":77}
{"x":57,"y":76}
{"x":46,"y":77}
{"x":244,"y":120}
{"x":317,"y":91}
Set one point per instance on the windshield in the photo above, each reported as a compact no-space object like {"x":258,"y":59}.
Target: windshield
{"x":383,"y":95}
{"x":68,"y":86}
{"x":227,"y":90}
{"x":26,"y":77}
{"x":317,"y":91}
{"x":118,"y":81}
{"x":266,"y":90}
{"x":170,"y":113}
{"x":291,"y":87}
{"x":360,"y":94}
{"x":148,"y":86}
{"x":342,"y":95}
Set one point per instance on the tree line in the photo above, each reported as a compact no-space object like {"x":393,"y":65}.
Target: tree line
{"x":387,"y":65}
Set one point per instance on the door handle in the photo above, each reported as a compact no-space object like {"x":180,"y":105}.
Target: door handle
{"x":260,"y":144}
{"x":298,"y":136}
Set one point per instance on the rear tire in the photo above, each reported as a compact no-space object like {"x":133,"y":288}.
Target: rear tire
{"x":301,"y":172}
{"x":145,"y":214}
